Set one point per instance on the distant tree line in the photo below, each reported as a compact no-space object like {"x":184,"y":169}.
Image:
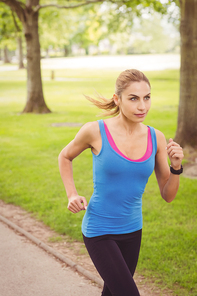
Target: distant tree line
{"x":88,"y":30}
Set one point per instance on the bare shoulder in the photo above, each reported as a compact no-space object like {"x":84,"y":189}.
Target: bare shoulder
{"x":159,"y":134}
{"x":84,"y":139}
{"x":91,"y":126}
{"x":161,"y":140}
{"x":91,"y":129}
{"x":88,"y":132}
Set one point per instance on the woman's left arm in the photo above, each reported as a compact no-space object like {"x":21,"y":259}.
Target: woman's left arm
{"x":168,"y":182}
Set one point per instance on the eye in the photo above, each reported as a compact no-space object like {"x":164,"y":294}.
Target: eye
{"x":133,"y":98}
{"x":147,"y":98}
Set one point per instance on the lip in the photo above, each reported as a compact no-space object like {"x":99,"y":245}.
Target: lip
{"x":140,"y":115}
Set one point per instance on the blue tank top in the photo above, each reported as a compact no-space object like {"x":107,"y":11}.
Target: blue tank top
{"x":116,"y":203}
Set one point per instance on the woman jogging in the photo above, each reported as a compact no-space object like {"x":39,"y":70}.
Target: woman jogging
{"x":125,"y":153}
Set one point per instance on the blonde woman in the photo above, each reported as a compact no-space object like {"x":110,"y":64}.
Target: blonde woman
{"x":125,"y":153}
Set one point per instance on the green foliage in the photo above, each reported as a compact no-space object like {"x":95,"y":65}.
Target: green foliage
{"x":64,"y":27}
{"x":87,"y":25}
{"x":151,"y":4}
{"x":30,"y":145}
{"x":150,"y":36}
{"x":116,"y":22}
{"x":8,"y":30}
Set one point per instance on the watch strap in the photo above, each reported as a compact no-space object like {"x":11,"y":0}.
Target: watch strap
{"x":176,"y":172}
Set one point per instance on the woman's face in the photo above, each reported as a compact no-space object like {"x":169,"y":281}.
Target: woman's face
{"x":135,"y":101}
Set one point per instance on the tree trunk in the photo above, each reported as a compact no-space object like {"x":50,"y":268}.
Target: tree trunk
{"x":35,"y":99}
{"x":6,"y":55}
{"x":47,"y":53}
{"x":186,"y":133}
{"x":66,"y":50}
{"x":20,"y":53}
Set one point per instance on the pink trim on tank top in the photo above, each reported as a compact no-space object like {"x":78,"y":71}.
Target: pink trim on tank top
{"x":114,"y":147}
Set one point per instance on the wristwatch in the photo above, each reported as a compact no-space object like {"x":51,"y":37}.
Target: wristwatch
{"x":176,"y":172}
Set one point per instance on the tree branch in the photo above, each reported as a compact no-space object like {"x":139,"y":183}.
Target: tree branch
{"x":38,"y":7}
{"x":15,"y":23}
{"x":16,"y":6}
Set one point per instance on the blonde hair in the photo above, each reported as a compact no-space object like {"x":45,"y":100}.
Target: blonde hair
{"x":123,"y":81}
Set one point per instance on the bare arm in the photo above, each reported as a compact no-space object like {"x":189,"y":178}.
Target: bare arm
{"x":84,"y":139}
{"x":168,"y":182}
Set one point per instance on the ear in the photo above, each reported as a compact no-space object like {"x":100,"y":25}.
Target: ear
{"x":116,"y":99}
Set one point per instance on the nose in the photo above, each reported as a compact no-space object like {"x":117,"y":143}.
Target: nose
{"x":141,"y":105}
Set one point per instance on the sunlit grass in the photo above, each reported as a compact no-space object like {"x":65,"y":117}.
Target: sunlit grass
{"x":29,"y":177}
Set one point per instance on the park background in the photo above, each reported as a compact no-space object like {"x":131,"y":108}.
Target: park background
{"x":30,"y":143}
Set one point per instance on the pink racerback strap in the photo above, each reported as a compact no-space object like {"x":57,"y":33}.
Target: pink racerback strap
{"x":143,"y":158}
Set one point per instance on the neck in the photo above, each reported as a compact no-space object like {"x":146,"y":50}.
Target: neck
{"x":127,"y":125}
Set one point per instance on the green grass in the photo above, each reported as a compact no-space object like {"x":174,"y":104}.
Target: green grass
{"x":30,"y":177}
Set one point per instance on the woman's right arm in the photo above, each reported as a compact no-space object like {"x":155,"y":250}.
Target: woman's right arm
{"x":84,"y":139}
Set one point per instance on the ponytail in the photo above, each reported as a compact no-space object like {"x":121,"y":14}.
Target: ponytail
{"x":105,"y":104}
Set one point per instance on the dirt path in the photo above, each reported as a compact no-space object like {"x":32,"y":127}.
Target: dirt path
{"x":69,"y":248}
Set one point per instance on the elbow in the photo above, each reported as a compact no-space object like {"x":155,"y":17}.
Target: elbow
{"x":59,"y":157}
{"x":168,"y":195}
{"x":168,"y":198}
{"x":62,"y":157}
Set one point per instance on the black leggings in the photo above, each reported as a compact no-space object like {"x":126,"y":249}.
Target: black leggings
{"x":115,"y":257}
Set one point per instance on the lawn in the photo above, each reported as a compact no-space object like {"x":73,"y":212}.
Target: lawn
{"x":29,"y":177}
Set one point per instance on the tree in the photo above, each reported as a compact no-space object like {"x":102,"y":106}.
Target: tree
{"x":150,"y":36}
{"x":7,"y":34}
{"x":10,"y":30}
{"x":19,"y":40}
{"x":28,"y":13}
{"x":61,"y":29}
{"x":56,"y":29}
{"x":186,"y":133}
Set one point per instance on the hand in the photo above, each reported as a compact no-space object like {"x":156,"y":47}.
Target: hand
{"x":77,"y":203}
{"x":175,"y":153}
